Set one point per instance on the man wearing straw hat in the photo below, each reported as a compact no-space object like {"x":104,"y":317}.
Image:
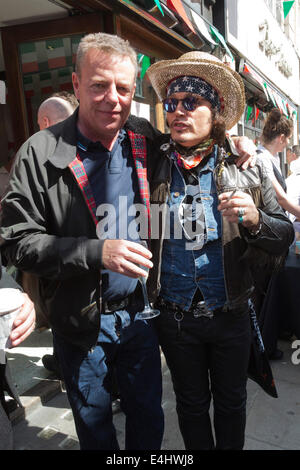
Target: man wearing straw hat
{"x":219,"y":220}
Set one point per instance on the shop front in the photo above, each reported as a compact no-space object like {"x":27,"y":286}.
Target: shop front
{"x":39,"y":56}
{"x":261,"y":97}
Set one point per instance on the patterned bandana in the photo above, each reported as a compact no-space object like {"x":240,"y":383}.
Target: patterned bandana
{"x":193,"y":157}
{"x":195,"y":85}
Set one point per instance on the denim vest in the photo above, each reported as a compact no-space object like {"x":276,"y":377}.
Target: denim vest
{"x":185,"y":269}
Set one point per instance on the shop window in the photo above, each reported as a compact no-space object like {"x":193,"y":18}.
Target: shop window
{"x":144,"y":99}
{"x":254,"y":120}
{"x":47,"y":67}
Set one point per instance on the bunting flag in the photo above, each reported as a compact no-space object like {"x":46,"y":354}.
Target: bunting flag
{"x":202,"y":27}
{"x":251,"y":72}
{"x":286,"y":7}
{"x":176,"y":5}
{"x":144,"y":63}
{"x":285,"y":110}
{"x":270,"y":94}
{"x":278,"y":102}
{"x":249,"y":111}
{"x":255,"y":116}
{"x":221,"y":40}
{"x":159,"y":7}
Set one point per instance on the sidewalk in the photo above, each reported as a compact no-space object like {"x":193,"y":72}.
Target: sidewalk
{"x":272,"y":424}
{"x":34,"y":383}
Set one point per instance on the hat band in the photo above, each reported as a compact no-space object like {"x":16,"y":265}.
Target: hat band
{"x":196,"y":85}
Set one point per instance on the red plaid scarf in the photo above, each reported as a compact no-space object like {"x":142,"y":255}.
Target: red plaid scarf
{"x":139,"y":153}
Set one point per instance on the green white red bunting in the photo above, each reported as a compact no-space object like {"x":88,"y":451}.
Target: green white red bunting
{"x":202,"y":27}
{"x":286,"y":7}
{"x":179,"y":8}
{"x":144,"y":63}
{"x":220,"y":39}
{"x":249,"y":111}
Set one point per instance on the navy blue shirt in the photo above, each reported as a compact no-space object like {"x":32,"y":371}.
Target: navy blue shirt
{"x":114,"y":184}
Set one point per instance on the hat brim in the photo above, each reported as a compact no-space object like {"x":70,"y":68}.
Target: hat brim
{"x":226,"y":82}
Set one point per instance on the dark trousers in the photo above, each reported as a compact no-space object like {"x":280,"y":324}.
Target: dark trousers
{"x":130,"y":349}
{"x":208,"y":357}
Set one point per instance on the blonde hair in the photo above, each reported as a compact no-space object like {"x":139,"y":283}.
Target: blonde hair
{"x":108,"y":43}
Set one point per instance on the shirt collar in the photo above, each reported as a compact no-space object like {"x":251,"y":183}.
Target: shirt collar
{"x":87,"y":145}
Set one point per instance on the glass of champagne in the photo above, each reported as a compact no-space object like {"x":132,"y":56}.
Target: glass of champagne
{"x":148,"y":312}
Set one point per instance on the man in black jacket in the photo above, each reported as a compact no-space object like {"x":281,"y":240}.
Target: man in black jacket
{"x":49,"y":228}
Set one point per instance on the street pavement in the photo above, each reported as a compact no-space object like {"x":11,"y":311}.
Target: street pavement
{"x":46,"y":422}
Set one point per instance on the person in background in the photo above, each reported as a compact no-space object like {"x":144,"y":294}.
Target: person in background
{"x":23,"y":325}
{"x":275,"y":137}
{"x":293,"y":185}
{"x":56,"y":108}
{"x":218,"y":221}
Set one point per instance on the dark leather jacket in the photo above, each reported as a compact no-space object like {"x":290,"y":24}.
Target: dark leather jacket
{"x":47,"y":230}
{"x":243,"y":254}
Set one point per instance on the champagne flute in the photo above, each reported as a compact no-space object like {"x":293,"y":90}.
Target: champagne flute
{"x":148,"y":312}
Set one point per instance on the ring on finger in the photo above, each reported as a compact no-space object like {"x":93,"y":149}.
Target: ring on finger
{"x":241,"y":212}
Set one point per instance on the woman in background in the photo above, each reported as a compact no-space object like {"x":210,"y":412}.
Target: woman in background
{"x":275,"y":138}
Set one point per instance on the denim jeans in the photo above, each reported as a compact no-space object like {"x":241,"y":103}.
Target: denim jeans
{"x":130,"y":349}
{"x":208,"y":357}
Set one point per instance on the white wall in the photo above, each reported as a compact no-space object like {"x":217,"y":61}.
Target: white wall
{"x":250,"y":14}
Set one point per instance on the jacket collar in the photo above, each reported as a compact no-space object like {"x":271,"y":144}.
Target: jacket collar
{"x":66,"y":136}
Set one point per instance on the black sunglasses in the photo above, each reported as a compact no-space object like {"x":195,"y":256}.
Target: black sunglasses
{"x":189,"y":103}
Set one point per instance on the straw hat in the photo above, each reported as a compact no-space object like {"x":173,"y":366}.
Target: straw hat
{"x":226,"y":81}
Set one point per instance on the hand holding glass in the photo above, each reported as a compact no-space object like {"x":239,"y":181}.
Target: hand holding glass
{"x":148,"y":312}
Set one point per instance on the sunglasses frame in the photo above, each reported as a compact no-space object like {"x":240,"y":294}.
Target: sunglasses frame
{"x":189,"y":103}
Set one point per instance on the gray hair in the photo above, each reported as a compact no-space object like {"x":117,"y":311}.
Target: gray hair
{"x":108,"y":43}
